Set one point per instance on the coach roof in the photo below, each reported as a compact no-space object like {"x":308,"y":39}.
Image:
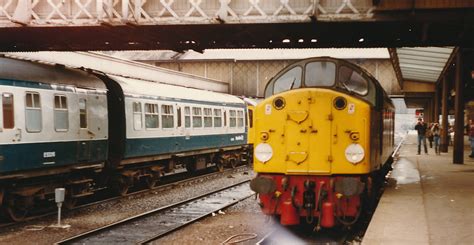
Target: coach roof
{"x":136,"y":87}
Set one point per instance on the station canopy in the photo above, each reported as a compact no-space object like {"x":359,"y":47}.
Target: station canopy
{"x":423,"y":64}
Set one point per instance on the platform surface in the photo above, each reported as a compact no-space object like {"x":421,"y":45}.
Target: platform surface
{"x":429,"y":200}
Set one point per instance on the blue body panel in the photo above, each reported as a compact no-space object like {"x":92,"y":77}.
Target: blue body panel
{"x":28,"y":156}
{"x":157,"y":146}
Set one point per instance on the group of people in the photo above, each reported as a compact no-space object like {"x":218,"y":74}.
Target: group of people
{"x":433,"y":133}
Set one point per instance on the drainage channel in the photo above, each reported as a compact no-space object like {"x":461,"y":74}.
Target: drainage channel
{"x":154,"y":224}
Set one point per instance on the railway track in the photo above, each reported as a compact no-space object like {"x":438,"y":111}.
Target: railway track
{"x":147,"y":227}
{"x":168,"y":182}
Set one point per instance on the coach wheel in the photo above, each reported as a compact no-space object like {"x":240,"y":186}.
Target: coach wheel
{"x":70,"y":202}
{"x":220,"y":166}
{"x":122,"y":185}
{"x":16,"y":209}
{"x":233,"y":162}
{"x":191,"y":167}
{"x":151,"y":181}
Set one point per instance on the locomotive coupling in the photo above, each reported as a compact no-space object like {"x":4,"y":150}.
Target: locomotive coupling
{"x":309,"y":196}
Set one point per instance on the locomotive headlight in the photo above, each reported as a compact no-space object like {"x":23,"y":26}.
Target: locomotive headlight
{"x":263,"y":152}
{"x":354,"y":153}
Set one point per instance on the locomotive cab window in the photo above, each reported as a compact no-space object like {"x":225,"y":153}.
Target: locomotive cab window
{"x":151,"y":116}
{"x":137,"y":116}
{"x":167,"y":116}
{"x":289,"y":80}
{"x":83,"y":113}
{"x":8,"y":112}
{"x":352,"y":81}
{"x":33,"y":118}
{"x":61,"y":114}
{"x":320,"y":74}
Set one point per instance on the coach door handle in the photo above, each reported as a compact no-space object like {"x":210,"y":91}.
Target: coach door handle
{"x":18,"y":134}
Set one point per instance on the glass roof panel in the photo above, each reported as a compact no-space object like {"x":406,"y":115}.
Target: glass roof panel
{"x":423,"y":64}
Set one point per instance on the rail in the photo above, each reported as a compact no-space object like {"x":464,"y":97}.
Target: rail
{"x":166,"y":219}
{"x":167,"y":182}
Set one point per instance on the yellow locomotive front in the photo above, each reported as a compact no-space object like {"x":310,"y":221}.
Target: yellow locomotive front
{"x":312,"y":142}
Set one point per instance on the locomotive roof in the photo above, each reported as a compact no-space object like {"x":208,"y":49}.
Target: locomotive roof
{"x":136,"y":87}
{"x":22,"y":70}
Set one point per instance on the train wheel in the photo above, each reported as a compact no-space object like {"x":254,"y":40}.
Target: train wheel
{"x":220,"y":163}
{"x":150,"y":181}
{"x":70,"y":202}
{"x":16,"y":209}
{"x":220,"y":166}
{"x":121,"y":185}
{"x":233,"y":162}
{"x":191,"y":167}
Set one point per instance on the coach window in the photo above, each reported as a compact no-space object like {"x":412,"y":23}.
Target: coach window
{"x":83,"y":113}
{"x":290,"y":80}
{"x":151,"y":116}
{"x":187,"y":117}
{"x":217,"y":118}
{"x":207,"y":117}
{"x":320,"y":74}
{"x":197,"y":117}
{"x":8,"y":113}
{"x":137,"y":116}
{"x":240,"y":119}
{"x":33,"y":112}
{"x":167,"y":116}
{"x":61,"y":115}
{"x":352,"y":80}
{"x":232,"y":118}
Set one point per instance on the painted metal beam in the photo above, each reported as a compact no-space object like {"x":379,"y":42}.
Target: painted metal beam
{"x":148,"y":12}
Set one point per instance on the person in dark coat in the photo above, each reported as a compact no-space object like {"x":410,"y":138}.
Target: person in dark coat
{"x":421,"y":129}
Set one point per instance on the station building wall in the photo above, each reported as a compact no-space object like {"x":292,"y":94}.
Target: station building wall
{"x":249,"y":78}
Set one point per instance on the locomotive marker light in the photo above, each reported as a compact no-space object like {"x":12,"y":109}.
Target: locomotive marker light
{"x":263,"y":152}
{"x":59,"y":194}
{"x":354,"y":153}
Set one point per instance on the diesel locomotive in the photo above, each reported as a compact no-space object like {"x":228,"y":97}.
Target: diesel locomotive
{"x":323,"y":140}
{"x":87,"y":131}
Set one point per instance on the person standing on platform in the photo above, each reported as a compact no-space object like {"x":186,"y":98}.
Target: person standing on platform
{"x":436,"y":133}
{"x":471,"y":137}
{"x":421,"y":129}
{"x":429,"y":134}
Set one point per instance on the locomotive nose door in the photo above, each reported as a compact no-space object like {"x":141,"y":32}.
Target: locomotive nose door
{"x":319,"y":128}
{"x":307,"y":133}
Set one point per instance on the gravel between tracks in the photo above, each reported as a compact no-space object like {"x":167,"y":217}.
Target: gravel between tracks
{"x":242,"y":218}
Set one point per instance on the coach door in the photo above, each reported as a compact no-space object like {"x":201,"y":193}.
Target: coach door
{"x":83,"y":146}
